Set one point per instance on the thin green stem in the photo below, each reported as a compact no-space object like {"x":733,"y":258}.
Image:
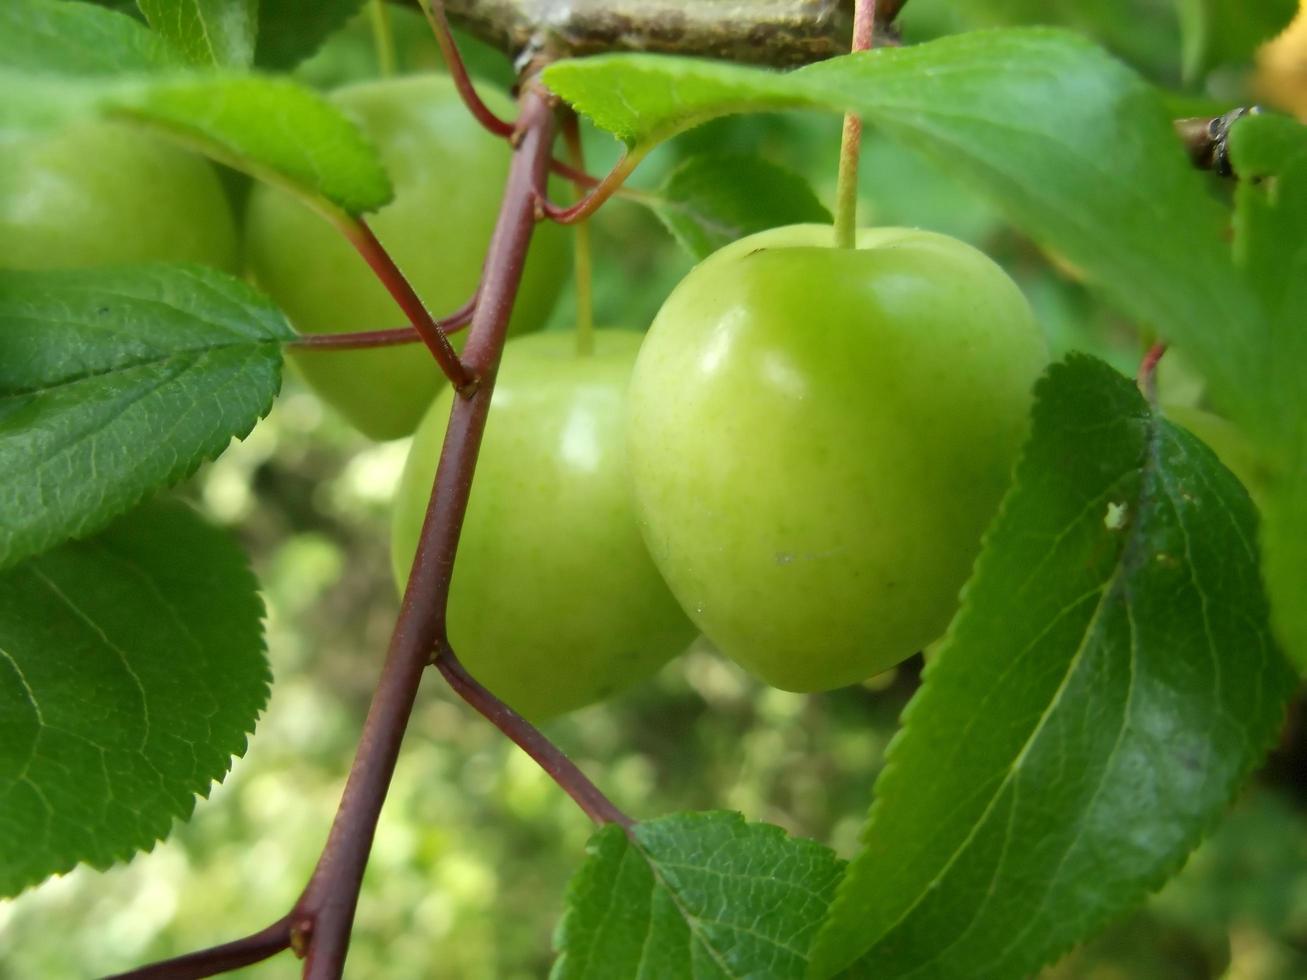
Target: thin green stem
{"x":846,"y":188}
{"x":585,"y":342}
{"x":383,"y":37}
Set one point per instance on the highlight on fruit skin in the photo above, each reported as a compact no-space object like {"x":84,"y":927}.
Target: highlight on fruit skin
{"x":104,"y":193}
{"x":820,"y":436}
{"x":555,"y":603}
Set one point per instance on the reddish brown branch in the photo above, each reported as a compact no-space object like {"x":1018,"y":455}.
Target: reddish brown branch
{"x":324,"y":914}
{"x":435,"y":11}
{"x":218,"y":959}
{"x":548,"y":756}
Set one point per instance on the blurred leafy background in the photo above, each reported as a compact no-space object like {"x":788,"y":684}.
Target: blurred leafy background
{"x":475,"y":846}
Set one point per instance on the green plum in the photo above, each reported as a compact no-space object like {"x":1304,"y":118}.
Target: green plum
{"x":102,"y":193}
{"x":555,"y":603}
{"x":448,"y":175}
{"x":818,"y":438}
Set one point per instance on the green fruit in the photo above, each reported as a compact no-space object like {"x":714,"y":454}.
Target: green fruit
{"x":555,"y":603}
{"x":448,"y":175}
{"x":102,"y":193}
{"x":1225,"y":439}
{"x":818,"y":438}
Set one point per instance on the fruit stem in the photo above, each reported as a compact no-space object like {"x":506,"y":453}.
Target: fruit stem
{"x":435,"y":11}
{"x":584,"y":293}
{"x":846,"y":187}
{"x":375,"y":254}
{"x":383,"y":37}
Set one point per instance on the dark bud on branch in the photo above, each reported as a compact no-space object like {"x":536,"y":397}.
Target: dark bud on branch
{"x":1208,"y":139}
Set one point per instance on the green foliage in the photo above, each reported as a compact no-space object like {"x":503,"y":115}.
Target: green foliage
{"x":62,"y":38}
{"x":1039,"y":120}
{"x":712,"y":199}
{"x":273,"y":128}
{"x":1271,"y":218}
{"x":207,"y":32}
{"x":291,"y":30}
{"x":116,"y":382}
{"x":131,"y":671}
{"x":1107,"y":684}
{"x":695,"y":895}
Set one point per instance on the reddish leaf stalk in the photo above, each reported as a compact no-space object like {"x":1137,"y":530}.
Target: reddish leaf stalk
{"x":362,"y":238}
{"x":435,"y":11}
{"x":1147,"y":376}
{"x":599,"y":193}
{"x":574,"y":174}
{"x":449,"y":325}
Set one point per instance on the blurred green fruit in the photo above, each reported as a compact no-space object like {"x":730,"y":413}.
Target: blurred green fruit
{"x":555,"y":603}
{"x":818,"y":438}
{"x":448,"y":175}
{"x":103,"y":193}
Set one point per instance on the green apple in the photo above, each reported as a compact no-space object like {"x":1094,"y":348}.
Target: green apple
{"x":1225,"y":439}
{"x":555,"y":603}
{"x":101,"y":193}
{"x":448,"y":175}
{"x":818,"y":438}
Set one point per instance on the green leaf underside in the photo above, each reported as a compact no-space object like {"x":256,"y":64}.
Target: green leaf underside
{"x":77,"y":39}
{"x":291,"y":30}
{"x":207,"y":32}
{"x":273,"y":128}
{"x":713,"y":199}
{"x":1071,"y":144}
{"x":1271,"y":243}
{"x":131,"y":671}
{"x":115,"y":382}
{"x":695,"y":896}
{"x":1106,"y":685}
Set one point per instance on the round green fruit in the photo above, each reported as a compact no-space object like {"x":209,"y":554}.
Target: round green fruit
{"x":448,"y":175}
{"x":102,"y":193}
{"x":555,"y":603}
{"x":818,"y":438}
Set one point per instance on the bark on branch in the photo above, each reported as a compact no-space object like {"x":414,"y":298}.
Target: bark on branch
{"x":771,"y":32}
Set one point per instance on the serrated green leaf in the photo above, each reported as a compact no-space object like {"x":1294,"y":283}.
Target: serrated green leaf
{"x":65,"y":38}
{"x":131,"y":672}
{"x":207,"y":32}
{"x":115,"y":382}
{"x":291,"y":30}
{"x":1073,"y":146}
{"x":1107,"y":684}
{"x":696,"y":896}
{"x":273,"y":128}
{"x":712,"y":199}
{"x":1270,"y":153}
